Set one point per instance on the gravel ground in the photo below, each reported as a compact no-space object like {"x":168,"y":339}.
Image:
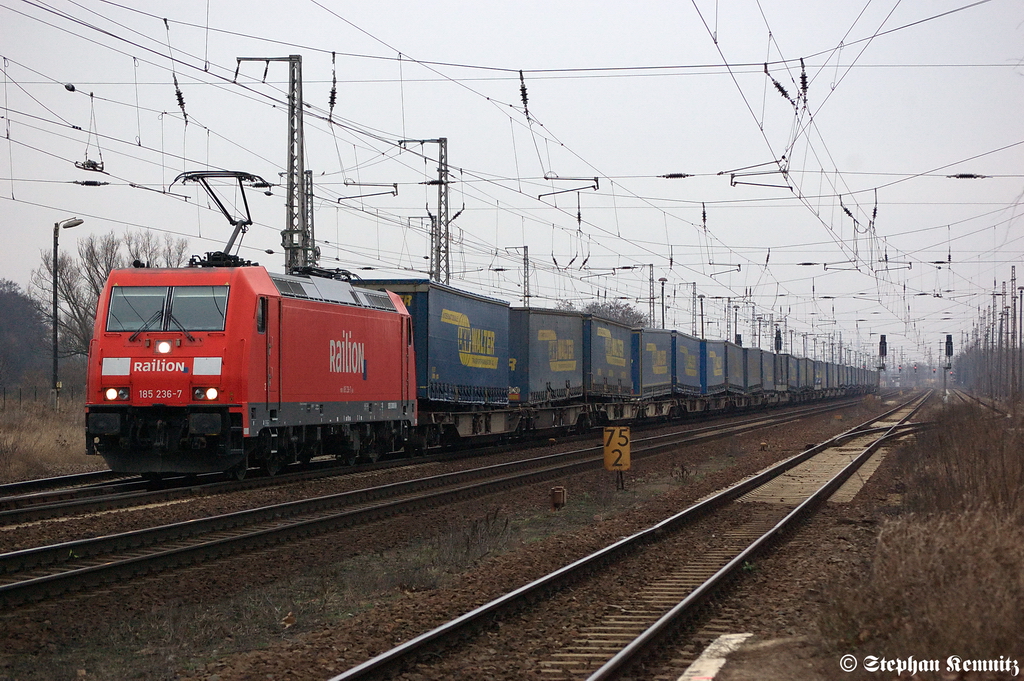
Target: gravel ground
{"x":311,"y":609}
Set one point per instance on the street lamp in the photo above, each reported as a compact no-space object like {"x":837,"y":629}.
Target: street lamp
{"x":662,"y":280}
{"x":701,"y":296}
{"x":57,"y":226}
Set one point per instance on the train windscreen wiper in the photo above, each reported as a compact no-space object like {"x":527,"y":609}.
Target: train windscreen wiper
{"x":156,"y":315}
{"x":174,"y":320}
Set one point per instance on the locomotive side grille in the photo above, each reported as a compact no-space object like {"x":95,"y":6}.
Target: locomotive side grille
{"x":377,"y":301}
{"x":289,"y":288}
{"x":331,"y":291}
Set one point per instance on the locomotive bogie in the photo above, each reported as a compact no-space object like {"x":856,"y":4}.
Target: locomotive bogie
{"x":158,"y":439}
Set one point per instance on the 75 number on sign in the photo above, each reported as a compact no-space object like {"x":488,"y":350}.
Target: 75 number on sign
{"x":616,"y":448}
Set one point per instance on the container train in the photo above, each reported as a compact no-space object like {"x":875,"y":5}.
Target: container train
{"x":209,"y":368}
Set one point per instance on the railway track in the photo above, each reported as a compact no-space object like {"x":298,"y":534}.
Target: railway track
{"x":47,"y":571}
{"x":636,"y":628}
{"x":105,"y":491}
{"x":60,"y":483}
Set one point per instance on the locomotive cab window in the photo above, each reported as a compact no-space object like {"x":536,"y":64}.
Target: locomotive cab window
{"x":136,"y":307}
{"x":261,"y":316}
{"x":162,"y":308}
{"x":198,"y":308}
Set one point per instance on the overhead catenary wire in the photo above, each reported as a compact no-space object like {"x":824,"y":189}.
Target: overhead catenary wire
{"x":573,"y":217}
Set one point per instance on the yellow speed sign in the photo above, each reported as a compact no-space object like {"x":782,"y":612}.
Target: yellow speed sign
{"x":616,"y":448}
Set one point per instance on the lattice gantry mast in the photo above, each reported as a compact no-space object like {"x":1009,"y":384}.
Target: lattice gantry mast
{"x":440,"y":224}
{"x":296,"y":237}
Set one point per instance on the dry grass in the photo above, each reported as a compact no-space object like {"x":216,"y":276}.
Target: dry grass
{"x":36,"y":442}
{"x":947,"y":577}
{"x":971,"y":462}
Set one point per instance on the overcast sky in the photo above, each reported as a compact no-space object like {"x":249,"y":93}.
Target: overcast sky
{"x":827,"y":208}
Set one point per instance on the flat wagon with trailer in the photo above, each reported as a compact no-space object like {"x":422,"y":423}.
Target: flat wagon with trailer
{"x":462,"y":358}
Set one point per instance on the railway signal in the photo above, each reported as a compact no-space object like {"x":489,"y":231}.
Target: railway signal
{"x":949,"y":360}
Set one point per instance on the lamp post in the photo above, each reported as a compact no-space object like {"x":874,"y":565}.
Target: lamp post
{"x":701,"y":296}
{"x":57,"y":226}
{"x":736,"y":324}
{"x":663,"y":280}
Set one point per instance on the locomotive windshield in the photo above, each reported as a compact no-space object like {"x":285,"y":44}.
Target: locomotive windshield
{"x":162,"y":308}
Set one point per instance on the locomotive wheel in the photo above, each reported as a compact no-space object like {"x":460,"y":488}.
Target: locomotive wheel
{"x":272,"y":466}
{"x":239,"y":470}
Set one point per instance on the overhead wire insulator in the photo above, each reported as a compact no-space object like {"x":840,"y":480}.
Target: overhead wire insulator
{"x":778,"y":86}
{"x":782,"y":91}
{"x":174,"y":74}
{"x":181,"y":99}
{"x":803,"y":81}
{"x":333,"y":98}
{"x":522,"y":93}
{"x":845,"y":209}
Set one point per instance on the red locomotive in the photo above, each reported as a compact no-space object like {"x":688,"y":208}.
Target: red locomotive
{"x":218,"y":368}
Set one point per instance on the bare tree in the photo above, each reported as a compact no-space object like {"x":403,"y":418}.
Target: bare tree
{"x":146,"y":248}
{"x":614,"y":310}
{"x":80,"y":280}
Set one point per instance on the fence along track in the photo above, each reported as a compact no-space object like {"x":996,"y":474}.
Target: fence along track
{"x":429,"y":643}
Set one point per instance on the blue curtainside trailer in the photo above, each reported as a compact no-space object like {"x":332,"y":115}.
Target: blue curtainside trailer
{"x":461,"y":341}
{"x":546,"y":355}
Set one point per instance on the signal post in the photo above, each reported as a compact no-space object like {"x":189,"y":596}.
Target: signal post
{"x":616,"y":452}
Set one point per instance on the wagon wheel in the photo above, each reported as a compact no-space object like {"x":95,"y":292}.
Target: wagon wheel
{"x":239,"y":470}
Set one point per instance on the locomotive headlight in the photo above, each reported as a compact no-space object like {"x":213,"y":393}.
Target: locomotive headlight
{"x":163,"y":347}
{"x":116,"y":394}
{"x":205,"y":393}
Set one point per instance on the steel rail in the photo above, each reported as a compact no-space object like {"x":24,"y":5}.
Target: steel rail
{"x":653,"y":637}
{"x":109,"y":568}
{"x":393,"y":661}
{"x":28,"y":486}
{"x":58,"y":504}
